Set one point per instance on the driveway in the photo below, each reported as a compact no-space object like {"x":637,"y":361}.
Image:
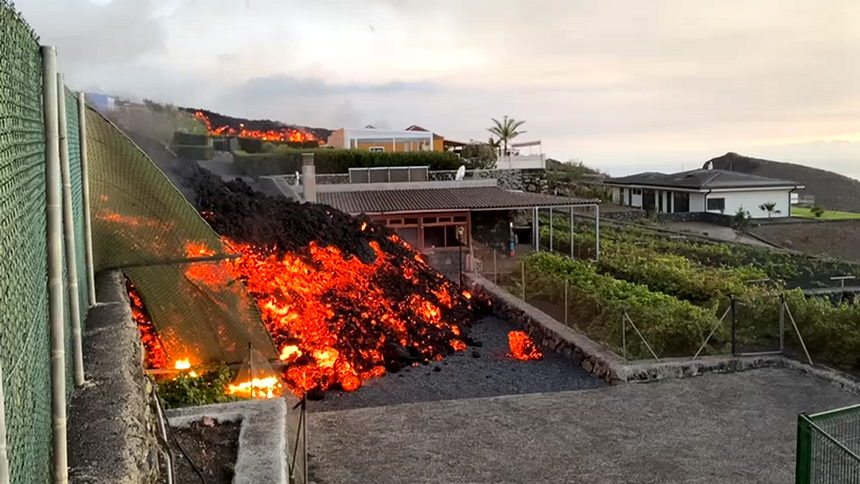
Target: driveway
{"x":717,"y":428}
{"x":715,"y":232}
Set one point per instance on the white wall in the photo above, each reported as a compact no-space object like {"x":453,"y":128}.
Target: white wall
{"x":637,"y":199}
{"x":697,"y":202}
{"x":750,"y":201}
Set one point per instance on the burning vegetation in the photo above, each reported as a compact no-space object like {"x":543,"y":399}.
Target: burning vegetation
{"x":343,"y":299}
{"x":219,"y":125}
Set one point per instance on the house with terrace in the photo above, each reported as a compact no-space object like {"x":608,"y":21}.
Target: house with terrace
{"x":705,"y":190}
{"x":445,"y":220}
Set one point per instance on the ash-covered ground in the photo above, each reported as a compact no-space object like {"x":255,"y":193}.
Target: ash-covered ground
{"x":485,"y":371}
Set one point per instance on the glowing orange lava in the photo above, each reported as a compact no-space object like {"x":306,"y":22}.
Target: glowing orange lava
{"x":522,"y":346}
{"x":284,"y":134}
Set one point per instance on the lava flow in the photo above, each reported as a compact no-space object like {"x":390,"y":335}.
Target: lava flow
{"x":282,"y":134}
{"x":344,"y":300}
{"x":522,"y":346}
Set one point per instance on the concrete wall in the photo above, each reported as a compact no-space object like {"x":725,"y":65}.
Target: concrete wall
{"x":750,"y":201}
{"x":697,"y":202}
{"x":112,"y":426}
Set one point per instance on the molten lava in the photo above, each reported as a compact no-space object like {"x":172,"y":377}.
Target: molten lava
{"x":332,"y":320}
{"x":283,"y":134}
{"x":522,"y":346}
{"x":154,"y":355}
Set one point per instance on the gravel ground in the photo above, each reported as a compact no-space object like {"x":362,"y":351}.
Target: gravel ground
{"x":833,"y":239}
{"x":716,"y":429}
{"x":462,"y":375}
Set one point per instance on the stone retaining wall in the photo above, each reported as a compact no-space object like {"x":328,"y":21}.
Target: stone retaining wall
{"x":551,"y":334}
{"x":112,"y":426}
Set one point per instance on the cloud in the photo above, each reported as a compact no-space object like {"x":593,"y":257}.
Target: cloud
{"x":281,"y":86}
{"x":610,"y":81}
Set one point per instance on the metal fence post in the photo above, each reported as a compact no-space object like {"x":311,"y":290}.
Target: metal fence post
{"x":624,"y":334}
{"x":524,"y":280}
{"x":54,"y":206}
{"x":495,"y":268}
{"x":803,"y":466}
{"x":69,"y":233}
{"x":734,"y":325}
{"x":550,"y":230}
{"x":782,"y":323}
{"x":571,"y":231}
{"x":597,"y":233}
{"x":566,"y":303}
{"x":85,"y":191}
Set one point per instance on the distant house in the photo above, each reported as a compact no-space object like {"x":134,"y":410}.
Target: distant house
{"x":386,"y":140}
{"x":714,"y":191}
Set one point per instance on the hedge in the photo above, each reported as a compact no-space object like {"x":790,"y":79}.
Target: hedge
{"x":195,"y":152}
{"x":284,"y":161}
{"x":251,"y":145}
{"x":596,"y":303}
{"x":191,"y":139}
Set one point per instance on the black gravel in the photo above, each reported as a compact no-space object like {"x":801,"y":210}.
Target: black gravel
{"x":485,"y":371}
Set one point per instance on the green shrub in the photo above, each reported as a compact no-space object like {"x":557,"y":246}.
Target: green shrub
{"x":191,"y":139}
{"x":672,"y":327}
{"x":817,"y":211}
{"x":251,"y":145}
{"x":208,"y":387}
{"x":195,"y":152}
{"x":283,"y":161}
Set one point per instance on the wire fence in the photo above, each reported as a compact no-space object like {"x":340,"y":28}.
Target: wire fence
{"x":751,"y":326}
{"x":141,"y":225}
{"x":828,"y":447}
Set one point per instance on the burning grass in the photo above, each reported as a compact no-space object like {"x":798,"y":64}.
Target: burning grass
{"x":343,"y":299}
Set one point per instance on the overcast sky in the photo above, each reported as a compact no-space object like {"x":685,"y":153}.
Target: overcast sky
{"x":624,"y":85}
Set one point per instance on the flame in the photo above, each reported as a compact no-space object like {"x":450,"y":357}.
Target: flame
{"x":363,"y":226}
{"x":267,"y":387}
{"x":182,"y":364}
{"x":522,"y":346}
{"x":290,"y":352}
{"x":154,"y":355}
{"x":284,"y":134}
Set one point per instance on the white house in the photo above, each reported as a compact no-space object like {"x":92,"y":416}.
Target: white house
{"x":715,"y":191}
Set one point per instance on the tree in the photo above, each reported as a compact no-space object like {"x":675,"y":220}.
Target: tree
{"x":741,"y":221}
{"x":817,"y":210}
{"x":506,"y":130}
{"x":479,"y":156}
{"x":770,"y":208}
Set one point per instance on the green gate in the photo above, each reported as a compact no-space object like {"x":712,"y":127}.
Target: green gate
{"x":828,"y":445}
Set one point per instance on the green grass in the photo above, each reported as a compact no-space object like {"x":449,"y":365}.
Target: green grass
{"x":804,"y":212}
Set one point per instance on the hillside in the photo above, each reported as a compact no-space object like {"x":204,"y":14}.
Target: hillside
{"x":831,"y":190}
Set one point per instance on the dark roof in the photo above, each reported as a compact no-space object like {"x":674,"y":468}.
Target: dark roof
{"x":702,"y":179}
{"x":415,"y":127}
{"x":430,"y":199}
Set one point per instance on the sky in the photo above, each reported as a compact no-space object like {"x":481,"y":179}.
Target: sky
{"x":623,"y":85}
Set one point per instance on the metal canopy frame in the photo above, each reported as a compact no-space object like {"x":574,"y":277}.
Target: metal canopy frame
{"x":536,"y":226}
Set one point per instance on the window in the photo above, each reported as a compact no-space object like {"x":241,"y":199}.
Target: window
{"x":682,"y":202}
{"x":717,"y":204}
{"x":429,"y":220}
{"x":395,"y":222}
{"x":444,"y":219}
{"x":434,"y":236}
{"x":463,"y":218}
{"x":377,"y":149}
{"x":411,"y":221}
{"x":410,"y":235}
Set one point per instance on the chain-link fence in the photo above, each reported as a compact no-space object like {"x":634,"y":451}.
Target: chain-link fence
{"x":143,"y":225}
{"x":828,"y":447}
{"x":24,"y":335}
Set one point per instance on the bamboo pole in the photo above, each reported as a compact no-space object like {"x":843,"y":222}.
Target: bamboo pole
{"x":54,"y":217}
{"x":4,"y":455}
{"x":85,"y":189}
{"x":69,"y":234}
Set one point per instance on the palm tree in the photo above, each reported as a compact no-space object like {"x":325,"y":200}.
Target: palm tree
{"x":770,"y":208}
{"x":506,"y":130}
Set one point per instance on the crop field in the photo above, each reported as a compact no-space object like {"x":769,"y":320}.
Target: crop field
{"x":804,"y":212}
{"x":676,"y":291}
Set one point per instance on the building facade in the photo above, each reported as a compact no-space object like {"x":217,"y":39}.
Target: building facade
{"x":714,"y":191}
{"x":386,"y":140}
